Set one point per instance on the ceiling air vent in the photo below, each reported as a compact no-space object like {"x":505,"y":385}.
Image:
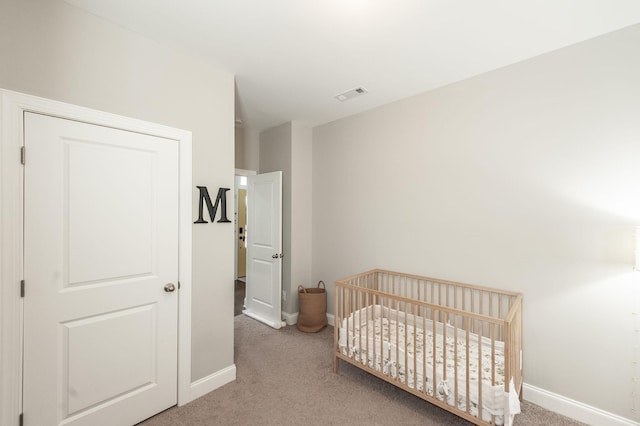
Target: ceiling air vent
{"x":350,"y":94}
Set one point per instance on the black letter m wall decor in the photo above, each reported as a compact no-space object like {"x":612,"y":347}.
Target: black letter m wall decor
{"x":213,"y":208}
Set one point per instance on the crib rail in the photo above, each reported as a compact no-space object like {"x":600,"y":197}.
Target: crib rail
{"x":421,"y":308}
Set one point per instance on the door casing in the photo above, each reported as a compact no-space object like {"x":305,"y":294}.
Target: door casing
{"x":241,"y":231}
{"x":238,"y":174}
{"x":13,"y":105}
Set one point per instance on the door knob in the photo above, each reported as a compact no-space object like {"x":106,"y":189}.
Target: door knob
{"x":169,"y":287}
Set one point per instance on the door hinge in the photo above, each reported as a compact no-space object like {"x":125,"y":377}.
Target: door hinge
{"x":21,"y":420}
{"x":22,"y":155}
{"x":21,"y":288}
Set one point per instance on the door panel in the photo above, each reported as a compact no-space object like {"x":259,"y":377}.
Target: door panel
{"x":126,"y":232}
{"x":101,"y":241}
{"x":264,"y":248}
{"x":263,"y":294}
{"x":89,"y":342}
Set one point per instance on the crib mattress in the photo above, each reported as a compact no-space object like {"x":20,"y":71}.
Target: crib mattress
{"x":379,"y":337}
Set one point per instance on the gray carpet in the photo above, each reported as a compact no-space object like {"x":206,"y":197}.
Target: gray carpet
{"x":285,"y":377}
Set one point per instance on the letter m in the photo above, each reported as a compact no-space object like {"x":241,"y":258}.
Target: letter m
{"x":213,"y":208}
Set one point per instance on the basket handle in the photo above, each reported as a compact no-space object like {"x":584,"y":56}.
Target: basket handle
{"x":321,"y":282}
{"x":301,"y":289}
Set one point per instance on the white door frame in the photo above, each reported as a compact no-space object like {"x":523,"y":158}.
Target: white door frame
{"x":12,"y":108}
{"x":238,"y":173}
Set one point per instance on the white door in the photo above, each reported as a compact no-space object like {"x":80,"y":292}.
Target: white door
{"x":264,"y":248}
{"x":100,"y":245}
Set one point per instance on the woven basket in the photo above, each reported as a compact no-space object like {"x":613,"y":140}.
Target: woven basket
{"x":313,"y":308}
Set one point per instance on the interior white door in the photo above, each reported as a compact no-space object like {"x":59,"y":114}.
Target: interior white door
{"x":100,"y":245}
{"x":264,"y":248}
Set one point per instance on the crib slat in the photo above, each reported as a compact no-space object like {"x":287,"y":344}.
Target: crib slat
{"x":444,"y":347}
{"x":336,"y":326}
{"x":415,"y":347}
{"x":501,"y":336}
{"x":455,"y":365}
{"x":493,"y":362}
{"x":440,"y":302}
{"x":374,"y":299}
{"x":464,"y":298}
{"x":455,"y":298}
{"x":403,"y":286}
{"x":389,"y":373}
{"x":493,"y":356}
{"x":358,"y":310}
{"x":347,"y":315}
{"x":381,"y":336}
{"x":507,"y":356}
{"x":366,"y":321}
{"x":468,"y":328}
{"x":490,"y":304}
{"x":433,"y":289}
{"x":393,"y":289}
{"x":434,"y":383}
{"x":480,"y":369}
{"x":406,"y":343}
{"x":397,"y":342}
{"x":411,"y":296}
{"x":424,"y":354}
{"x":446,"y":286}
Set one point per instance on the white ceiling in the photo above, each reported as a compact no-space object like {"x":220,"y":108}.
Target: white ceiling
{"x":291,"y":57}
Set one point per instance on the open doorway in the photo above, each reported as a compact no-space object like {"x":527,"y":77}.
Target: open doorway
{"x":240,"y":232}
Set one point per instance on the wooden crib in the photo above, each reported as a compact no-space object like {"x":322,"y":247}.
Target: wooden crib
{"x":455,"y":345}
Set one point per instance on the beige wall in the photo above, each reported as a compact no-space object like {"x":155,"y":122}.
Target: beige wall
{"x":525,"y":178}
{"x":301,"y":213}
{"x":52,"y":50}
{"x":247,"y":149}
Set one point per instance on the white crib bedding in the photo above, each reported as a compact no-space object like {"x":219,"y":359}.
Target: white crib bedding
{"x":363,"y":343}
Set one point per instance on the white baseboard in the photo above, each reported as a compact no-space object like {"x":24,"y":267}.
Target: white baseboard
{"x":290,"y":319}
{"x":574,"y":409}
{"x":331,"y":319}
{"x":211,"y":382}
